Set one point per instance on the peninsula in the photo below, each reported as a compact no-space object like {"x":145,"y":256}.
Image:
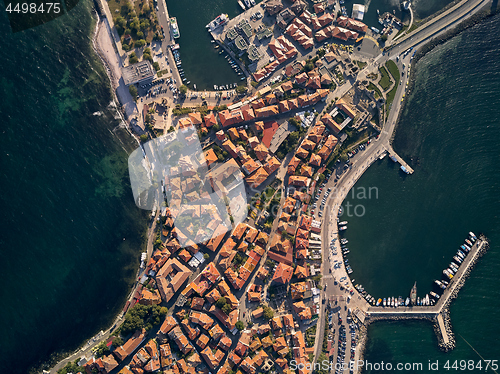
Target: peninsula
{"x":317,"y":103}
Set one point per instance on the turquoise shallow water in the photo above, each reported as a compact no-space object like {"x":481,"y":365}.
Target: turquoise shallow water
{"x":449,"y":129}
{"x":71,"y":235}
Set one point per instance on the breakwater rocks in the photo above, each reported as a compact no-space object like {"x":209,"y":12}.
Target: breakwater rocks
{"x":449,"y":343}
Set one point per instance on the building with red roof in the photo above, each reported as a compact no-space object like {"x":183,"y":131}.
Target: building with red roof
{"x":283,"y":273}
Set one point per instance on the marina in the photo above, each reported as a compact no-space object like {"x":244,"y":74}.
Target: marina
{"x":439,"y":312}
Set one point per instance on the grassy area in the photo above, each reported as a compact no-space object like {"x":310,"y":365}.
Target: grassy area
{"x":361,"y":64}
{"x":385,"y":80}
{"x":371,"y":87}
{"x":393,"y":69}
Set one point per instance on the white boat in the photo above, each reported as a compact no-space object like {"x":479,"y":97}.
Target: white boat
{"x":407,"y":301}
{"x":472,"y":235}
{"x":215,"y":87}
{"x":241,"y":5}
{"x":252,"y":2}
{"x":194,"y":85}
{"x":217,"y":22}
{"x":247,"y":4}
{"x":343,"y":223}
{"x":175,"y":29}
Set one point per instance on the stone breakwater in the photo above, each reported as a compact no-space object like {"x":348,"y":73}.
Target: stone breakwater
{"x":445,"y":311}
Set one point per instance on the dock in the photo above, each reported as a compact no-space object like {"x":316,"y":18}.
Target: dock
{"x":438,"y":313}
{"x":396,"y":158}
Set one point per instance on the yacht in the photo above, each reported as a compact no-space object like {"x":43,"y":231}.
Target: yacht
{"x":457,"y":259}
{"x":342,"y":228}
{"x":407,"y":301}
{"x":468,"y":242}
{"x":385,"y":302}
{"x":247,"y":4}
{"x":379,"y":301}
{"x":217,"y":22}
{"x":440,"y":284}
{"x":472,"y":235}
{"x":343,"y":223}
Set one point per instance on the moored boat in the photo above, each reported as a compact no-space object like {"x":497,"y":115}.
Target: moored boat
{"x":379,"y":301}
{"x":407,"y":301}
{"x":468,"y":242}
{"x":434,"y":295}
{"x":343,"y":223}
{"x":472,"y":235}
{"x":217,"y":22}
{"x":175,"y":28}
{"x":385,"y":302}
{"x":413,"y":294}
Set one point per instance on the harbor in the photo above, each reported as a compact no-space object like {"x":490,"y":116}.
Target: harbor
{"x":438,"y":313}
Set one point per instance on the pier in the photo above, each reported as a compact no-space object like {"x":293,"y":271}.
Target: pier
{"x":396,"y":158}
{"x":438,"y":313}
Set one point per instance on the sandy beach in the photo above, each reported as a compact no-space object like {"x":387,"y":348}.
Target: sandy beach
{"x":103,"y":44}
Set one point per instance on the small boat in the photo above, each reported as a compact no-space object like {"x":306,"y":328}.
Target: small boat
{"x":460,"y":254}
{"x":241,"y":5}
{"x":247,"y":4}
{"x":215,"y":87}
{"x":342,"y":228}
{"x":216,"y":46}
{"x":468,"y":242}
{"x":418,"y":300}
{"x":252,"y":2}
{"x":188,"y":82}
{"x":194,"y":85}
{"x":457,"y":259}
{"x":392,"y":302}
{"x":378,"y":302}
{"x":343,"y":223}
{"x":434,"y":295}
{"x":472,"y":235}
{"x":396,"y":303}
{"x":427,"y":299}
{"x":448,"y":273}
{"x":407,"y":301}
{"x":385,"y":302}
{"x":344,"y":241}
{"x":440,"y":284}
{"x":444,"y":282}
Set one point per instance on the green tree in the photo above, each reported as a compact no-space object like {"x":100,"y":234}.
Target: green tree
{"x":268,"y":312}
{"x":321,"y":370}
{"x":221,"y":302}
{"x":133,"y":91}
{"x":227,"y":308}
{"x":309,"y":66}
{"x":240,"y":326}
{"x":140,"y":34}
{"x":206,"y":256}
{"x":132,"y":58}
{"x":183,"y":89}
{"x":241,"y":89}
{"x":140,"y":43}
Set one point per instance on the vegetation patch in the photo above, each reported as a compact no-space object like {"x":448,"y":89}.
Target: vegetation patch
{"x":372,"y":87}
{"x":385,"y":80}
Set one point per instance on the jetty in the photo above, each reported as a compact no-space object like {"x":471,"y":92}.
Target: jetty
{"x":397,"y":158}
{"x":438,"y":313}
